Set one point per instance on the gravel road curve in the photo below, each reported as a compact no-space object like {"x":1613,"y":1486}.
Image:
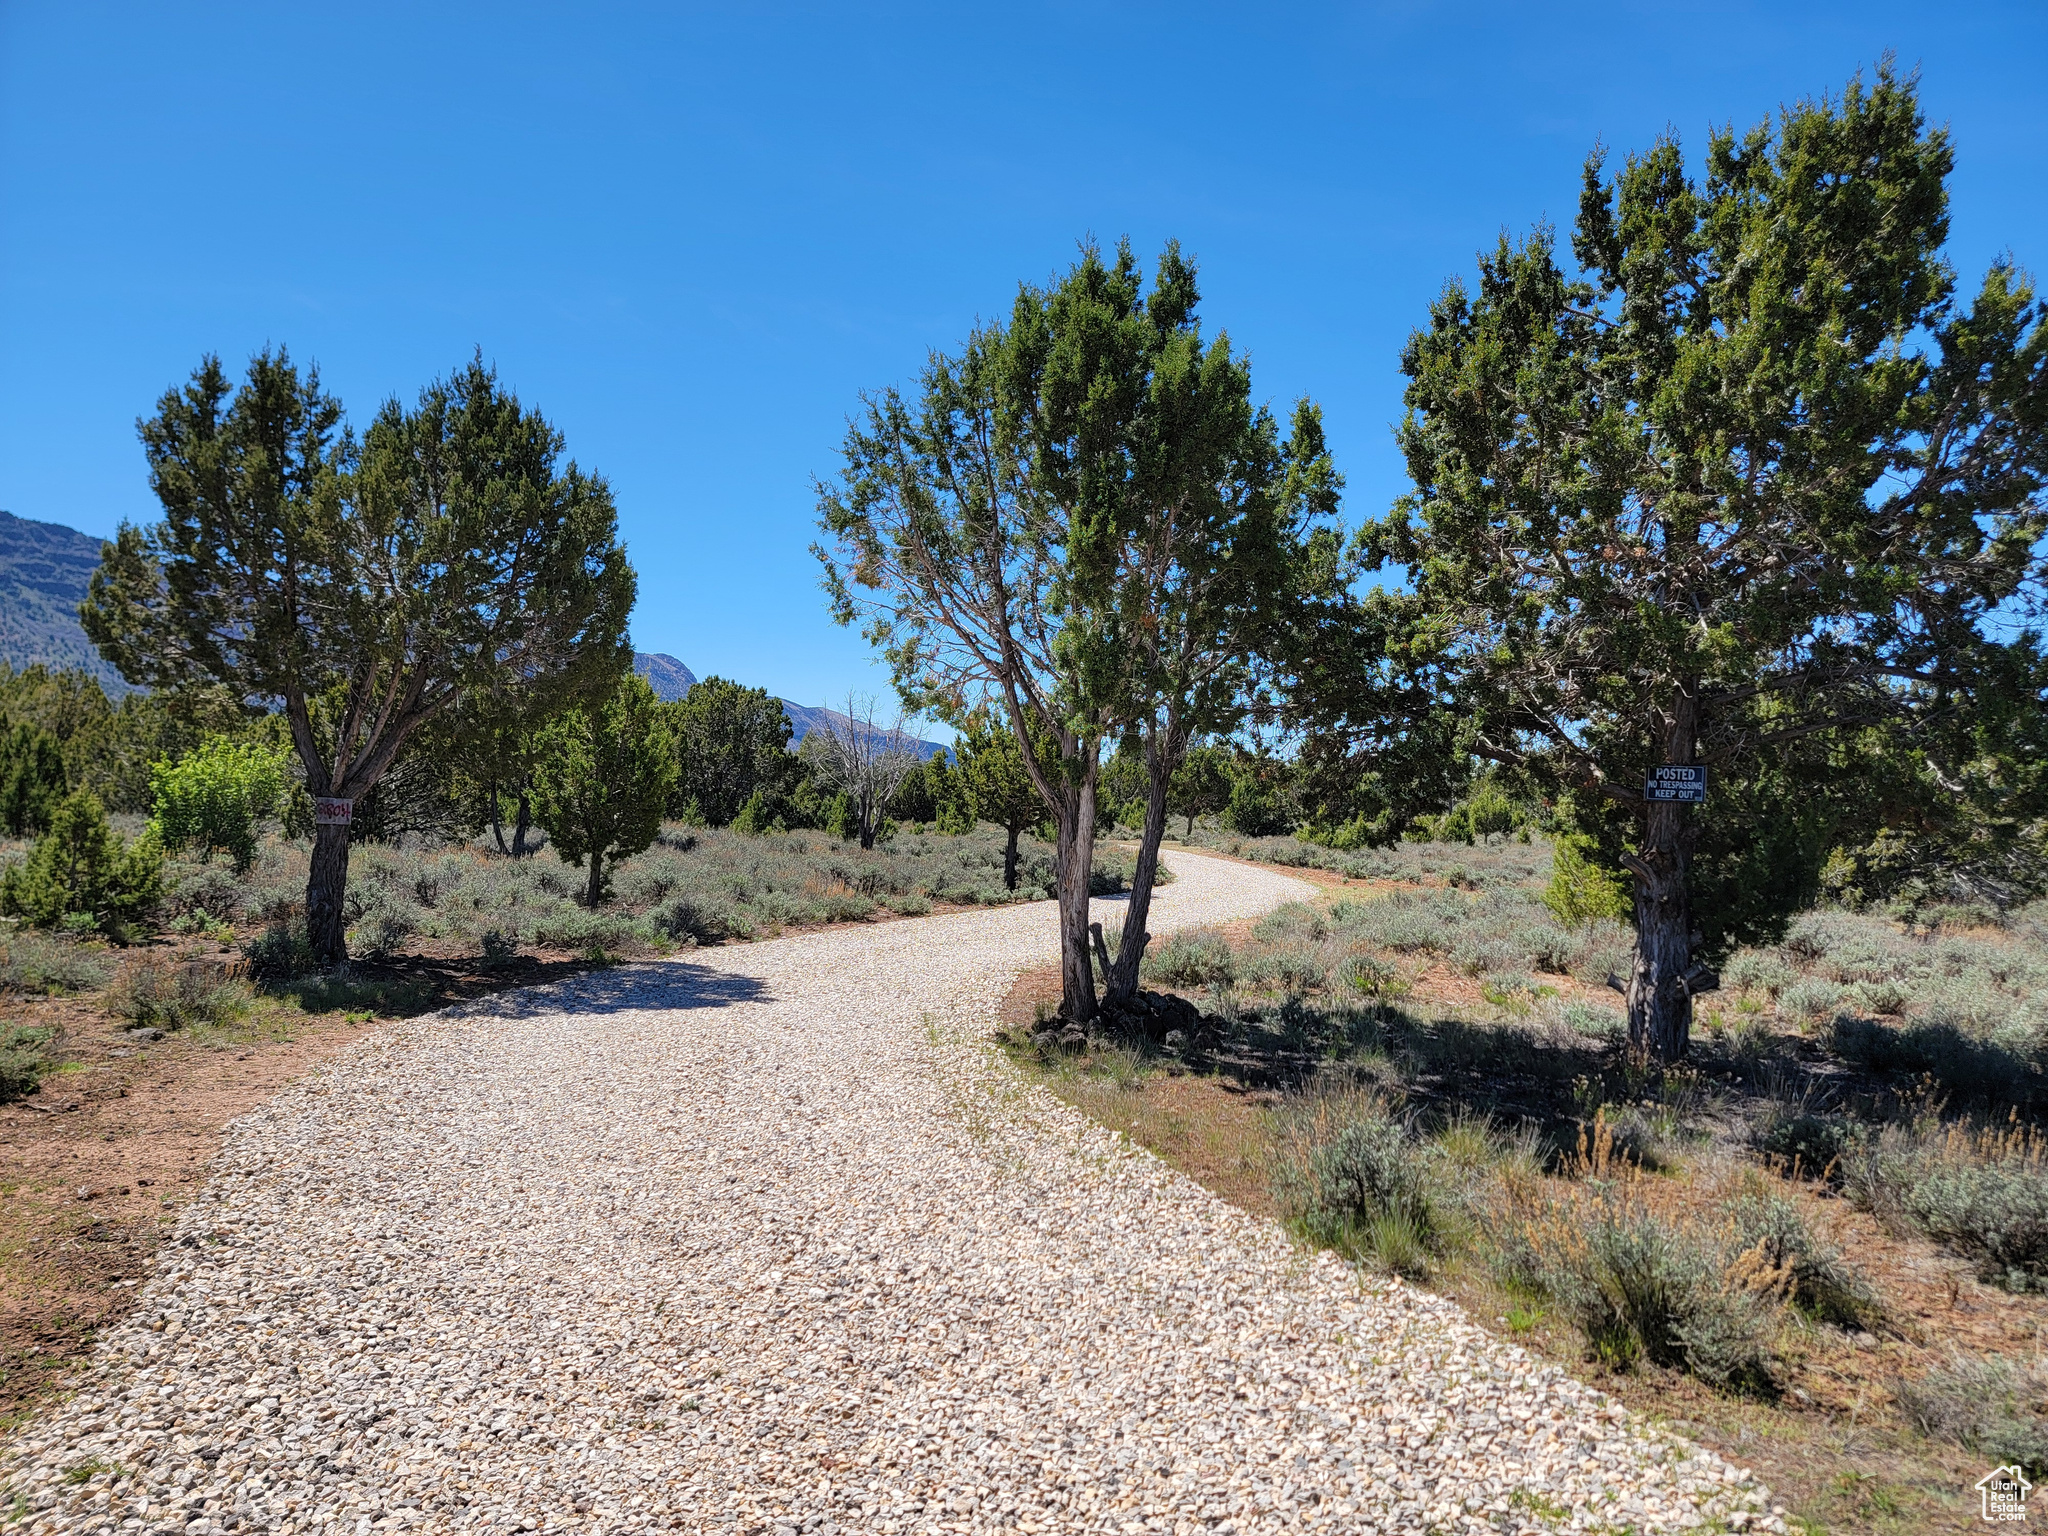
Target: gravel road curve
{"x":764,"y":1240}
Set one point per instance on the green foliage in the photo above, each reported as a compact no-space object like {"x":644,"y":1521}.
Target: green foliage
{"x":1258,"y":800}
{"x":1766,"y":368}
{"x":758,"y":816}
{"x":1201,"y":785}
{"x":730,"y":742}
{"x":1192,"y":957}
{"x":605,"y":773}
{"x":213,"y":797}
{"x":1580,"y":891}
{"x":366,"y":583}
{"x":32,"y":778}
{"x":24,"y":1058}
{"x":841,"y":820}
{"x":1354,"y":1177}
{"x":81,"y":867}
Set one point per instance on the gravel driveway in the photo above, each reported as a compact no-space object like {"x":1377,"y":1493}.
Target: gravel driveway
{"x":764,"y":1240}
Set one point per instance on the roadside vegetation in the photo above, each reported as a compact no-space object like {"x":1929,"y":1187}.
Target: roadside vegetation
{"x":1821,"y":1243}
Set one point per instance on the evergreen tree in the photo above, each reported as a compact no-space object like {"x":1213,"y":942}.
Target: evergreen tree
{"x":605,"y":771}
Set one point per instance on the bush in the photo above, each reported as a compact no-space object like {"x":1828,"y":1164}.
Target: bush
{"x":1983,"y":1193}
{"x":1814,"y":1276}
{"x":24,"y":1057}
{"x":1594,"y":1023}
{"x":33,"y":963}
{"x":1798,"y":1140}
{"x":1993,"y":1407}
{"x":1639,"y":1284}
{"x":161,"y":993}
{"x":1758,"y":970}
{"x":213,"y":797}
{"x":1580,"y":891}
{"x":1810,"y":1000}
{"x":1196,"y":957}
{"x":281,"y":952}
{"x":81,"y":867}
{"x":1354,"y":1178}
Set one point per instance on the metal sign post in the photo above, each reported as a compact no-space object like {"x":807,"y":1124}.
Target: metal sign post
{"x":1685,"y":783}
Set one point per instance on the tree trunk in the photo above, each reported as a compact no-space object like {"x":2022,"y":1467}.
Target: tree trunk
{"x":595,"y":893}
{"x":1130,"y":950}
{"x":498,"y":820}
{"x":1664,"y":977}
{"x":1010,"y":858}
{"x":524,"y":824}
{"x":1076,"y":820}
{"x":326,"y":885}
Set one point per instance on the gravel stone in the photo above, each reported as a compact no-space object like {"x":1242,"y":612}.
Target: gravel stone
{"x":766,"y":1241}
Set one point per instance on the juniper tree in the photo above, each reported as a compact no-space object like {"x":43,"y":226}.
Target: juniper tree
{"x":446,"y":552}
{"x":1749,"y":473}
{"x":1074,"y":521}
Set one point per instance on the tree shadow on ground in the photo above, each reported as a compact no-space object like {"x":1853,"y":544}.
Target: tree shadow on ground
{"x":665,"y":985}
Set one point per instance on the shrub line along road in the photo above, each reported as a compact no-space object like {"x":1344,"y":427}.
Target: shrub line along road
{"x":765,"y":1240}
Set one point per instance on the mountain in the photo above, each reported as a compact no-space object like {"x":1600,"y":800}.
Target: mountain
{"x":670,"y":680}
{"x":44,"y":568}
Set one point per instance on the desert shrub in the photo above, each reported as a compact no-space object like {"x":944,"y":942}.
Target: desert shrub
{"x":1368,"y":976}
{"x":1966,"y":1070}
{"x":34,"y":963}
{"x":1797,"y":1139}
{"x":158,"y":992}
{"x":1883,"y":995}
{"x":1195,"y":957}
{"x":380,"y":936}
{"x":1594,"y":1023}
{"x":280,"y":952}
{"x":1996,"y":1407}
{"x":1810,"y":999}
{"x":1812,"y":1273}
{"x":1352,"y":1176}
{"x":690,"y":919}
{"x":584,"y":930}
{"x":212,"y":797}
{"x":1970,"y":1004}
{"x":1640,"y":1284}
{"x":81,"y":866}
{"x":1758,"y":970}
{"x":1981,"y":1192}
{"x":24,"y":1057}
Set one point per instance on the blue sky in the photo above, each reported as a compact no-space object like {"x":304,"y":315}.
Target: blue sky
{"x":693,"y":236}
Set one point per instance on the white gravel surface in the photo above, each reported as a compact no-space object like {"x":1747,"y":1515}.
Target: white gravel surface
{"x":764,"y":1240}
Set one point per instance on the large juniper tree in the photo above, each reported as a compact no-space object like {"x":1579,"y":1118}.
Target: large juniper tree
{"x":448,"y":551}
{"x":1750,"y":474}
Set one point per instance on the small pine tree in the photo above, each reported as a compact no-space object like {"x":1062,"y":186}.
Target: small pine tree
{"x":756,"y":816}
{"x":605,"y":772}
{"x":80,"y":867}
{"x":841,"y":820}
{"x":31,"y":778}
{"x":213,"y":797}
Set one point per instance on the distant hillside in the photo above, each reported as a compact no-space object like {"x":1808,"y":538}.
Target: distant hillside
{"x":44,"y":568}
{"x":670,"y":679}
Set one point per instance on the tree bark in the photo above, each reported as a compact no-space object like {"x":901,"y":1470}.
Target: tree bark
{"x":1076,"y":821}
{"x":524,"y":824}
{"x":1010,"y":858}
{"x":595,"y":893}
{"x":1664,"y":977}
{"x":326,"y":884}
{"x":1130,"y":949}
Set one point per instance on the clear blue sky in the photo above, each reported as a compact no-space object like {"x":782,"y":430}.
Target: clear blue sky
{"x":692,"y":237}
